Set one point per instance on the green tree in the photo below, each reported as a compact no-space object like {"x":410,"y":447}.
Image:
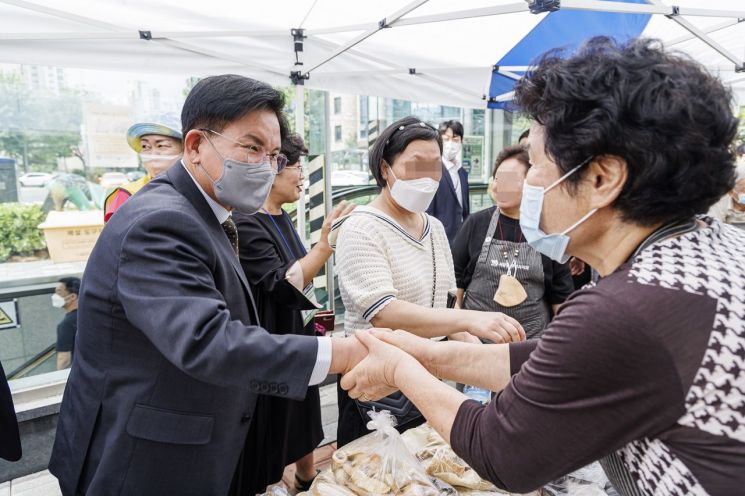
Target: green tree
{"x":315,"y":132}
{"x":190,"y":83}
{"x":38,"y":127}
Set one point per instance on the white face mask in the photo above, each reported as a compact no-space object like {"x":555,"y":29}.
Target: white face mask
{"x":552,"y":245}
{"x":414,"y":195}
{"x":451,"y":150}
{"x":156,"y":164}
{"x":57,"y":301}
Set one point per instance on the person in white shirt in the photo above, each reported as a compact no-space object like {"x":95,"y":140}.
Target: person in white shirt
{"x":731,"y":208}
{"x":393,"y":260}
{"x":451,"y":204}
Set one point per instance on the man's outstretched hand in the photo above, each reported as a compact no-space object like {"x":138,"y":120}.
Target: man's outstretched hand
{"x":346,"y":353}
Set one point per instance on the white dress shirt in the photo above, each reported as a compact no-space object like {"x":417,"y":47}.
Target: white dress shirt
{"x":453,"y":168}
{"x":323,"y":357}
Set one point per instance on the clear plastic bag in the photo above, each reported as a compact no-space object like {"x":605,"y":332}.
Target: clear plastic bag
{"x":440,"y":461}
{"x":378,"y":463}
{"x":587,"y":481}
{"x":276,"y":491}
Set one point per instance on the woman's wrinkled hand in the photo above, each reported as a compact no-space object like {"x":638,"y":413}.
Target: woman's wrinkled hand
{"x":375,"y":376}
{"x":495,"y":327}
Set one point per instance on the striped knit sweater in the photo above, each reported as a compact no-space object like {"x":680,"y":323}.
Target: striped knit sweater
{"x":378,"y":261}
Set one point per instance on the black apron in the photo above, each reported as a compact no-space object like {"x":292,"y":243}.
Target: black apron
{"x":500,"y":257}
{"x":612,"y":464}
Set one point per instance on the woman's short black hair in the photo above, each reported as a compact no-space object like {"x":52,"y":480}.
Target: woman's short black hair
{"x":518,"y":152}
{"x":293,"y":147}
{"x":456,"y":126}
{"x":662,"y":112}
{"x":216,"y":101}
{"x":394,"y":139}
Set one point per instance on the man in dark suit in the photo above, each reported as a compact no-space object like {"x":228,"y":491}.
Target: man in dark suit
{"x":10,"y":441}
{"x":451,"y":204}
{"x":169,"y":354}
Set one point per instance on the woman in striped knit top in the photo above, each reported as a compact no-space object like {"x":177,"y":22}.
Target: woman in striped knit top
{"x":394,"y":262}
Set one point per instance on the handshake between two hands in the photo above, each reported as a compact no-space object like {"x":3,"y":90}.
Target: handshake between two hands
{"x":372,"y":362}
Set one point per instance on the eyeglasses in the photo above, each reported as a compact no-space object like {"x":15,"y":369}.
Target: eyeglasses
{"x":255,"y":154}
{"x":302,"y":169}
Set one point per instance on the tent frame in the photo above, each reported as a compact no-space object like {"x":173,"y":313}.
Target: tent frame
{"x":298,"y":73}
{"x":396,"y":19}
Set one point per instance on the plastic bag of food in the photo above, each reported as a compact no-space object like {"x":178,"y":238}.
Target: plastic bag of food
{"x":378,"y":463}
{"x":276,"y":491}
{"x":587,"y":481}
{"x":440,"y":461}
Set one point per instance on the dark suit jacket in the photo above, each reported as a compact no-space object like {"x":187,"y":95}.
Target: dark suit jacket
{"x":10,"y":442}
{"x":445,"y":206}
{"x":167,"y":366}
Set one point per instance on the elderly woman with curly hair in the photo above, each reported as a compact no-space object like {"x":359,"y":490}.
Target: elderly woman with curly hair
{"x":645,"y":370}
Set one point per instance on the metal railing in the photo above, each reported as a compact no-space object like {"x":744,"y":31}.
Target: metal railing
{"x":32,"y":363}
{"x":479,"y":198}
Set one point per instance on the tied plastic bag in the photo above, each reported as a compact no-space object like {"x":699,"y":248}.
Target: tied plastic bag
{"x":587,"y":481}
{"x":440,"y":461}
{"x":378,"y":463}
{"x":276,"y":491}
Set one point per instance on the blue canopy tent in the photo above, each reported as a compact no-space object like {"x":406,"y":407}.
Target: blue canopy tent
{"x":566,"y":29}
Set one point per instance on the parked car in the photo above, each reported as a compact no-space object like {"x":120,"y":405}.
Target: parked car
{"x":38,"y":179}
{"x":113,"y":179}
{"x":135,"y":175}
{"x":349,"y":178}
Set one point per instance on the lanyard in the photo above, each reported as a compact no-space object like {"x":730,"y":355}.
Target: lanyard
{"x":284,"y":240}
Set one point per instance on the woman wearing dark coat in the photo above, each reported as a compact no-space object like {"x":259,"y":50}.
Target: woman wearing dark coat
{"x":280,"y":272}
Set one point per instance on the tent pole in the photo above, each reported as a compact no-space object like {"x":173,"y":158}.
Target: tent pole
{"x":701,"y":35}
{"x":362,"y":37}
{"x":739,"y":63}
{"x":118,"y":29}
{"x":488,"y":138}
{"x":710,"y":30}
{"x":300,"y":130}
{"x":327,"y":192}
{"x":636,"y":8}
{"x":448,"y":16}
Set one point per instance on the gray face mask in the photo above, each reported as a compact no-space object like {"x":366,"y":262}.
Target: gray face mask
{"x":243,"y":186}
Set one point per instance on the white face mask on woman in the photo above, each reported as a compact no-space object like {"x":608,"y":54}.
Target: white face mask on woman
{"x":531,"y":206}
{"x":414,"y":195}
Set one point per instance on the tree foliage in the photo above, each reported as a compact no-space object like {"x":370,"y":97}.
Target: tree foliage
{"x":37,"y":127}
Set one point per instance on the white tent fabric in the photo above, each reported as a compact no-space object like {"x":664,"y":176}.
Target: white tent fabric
{"x":452,"y":58}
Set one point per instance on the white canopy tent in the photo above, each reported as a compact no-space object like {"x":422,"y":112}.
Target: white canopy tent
{"x":434,"y":51}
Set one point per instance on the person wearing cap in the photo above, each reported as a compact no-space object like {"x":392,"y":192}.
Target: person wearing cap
{"x":158,"y":146}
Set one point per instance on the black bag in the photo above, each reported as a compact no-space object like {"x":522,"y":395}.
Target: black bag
{"x":399,"y":405}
